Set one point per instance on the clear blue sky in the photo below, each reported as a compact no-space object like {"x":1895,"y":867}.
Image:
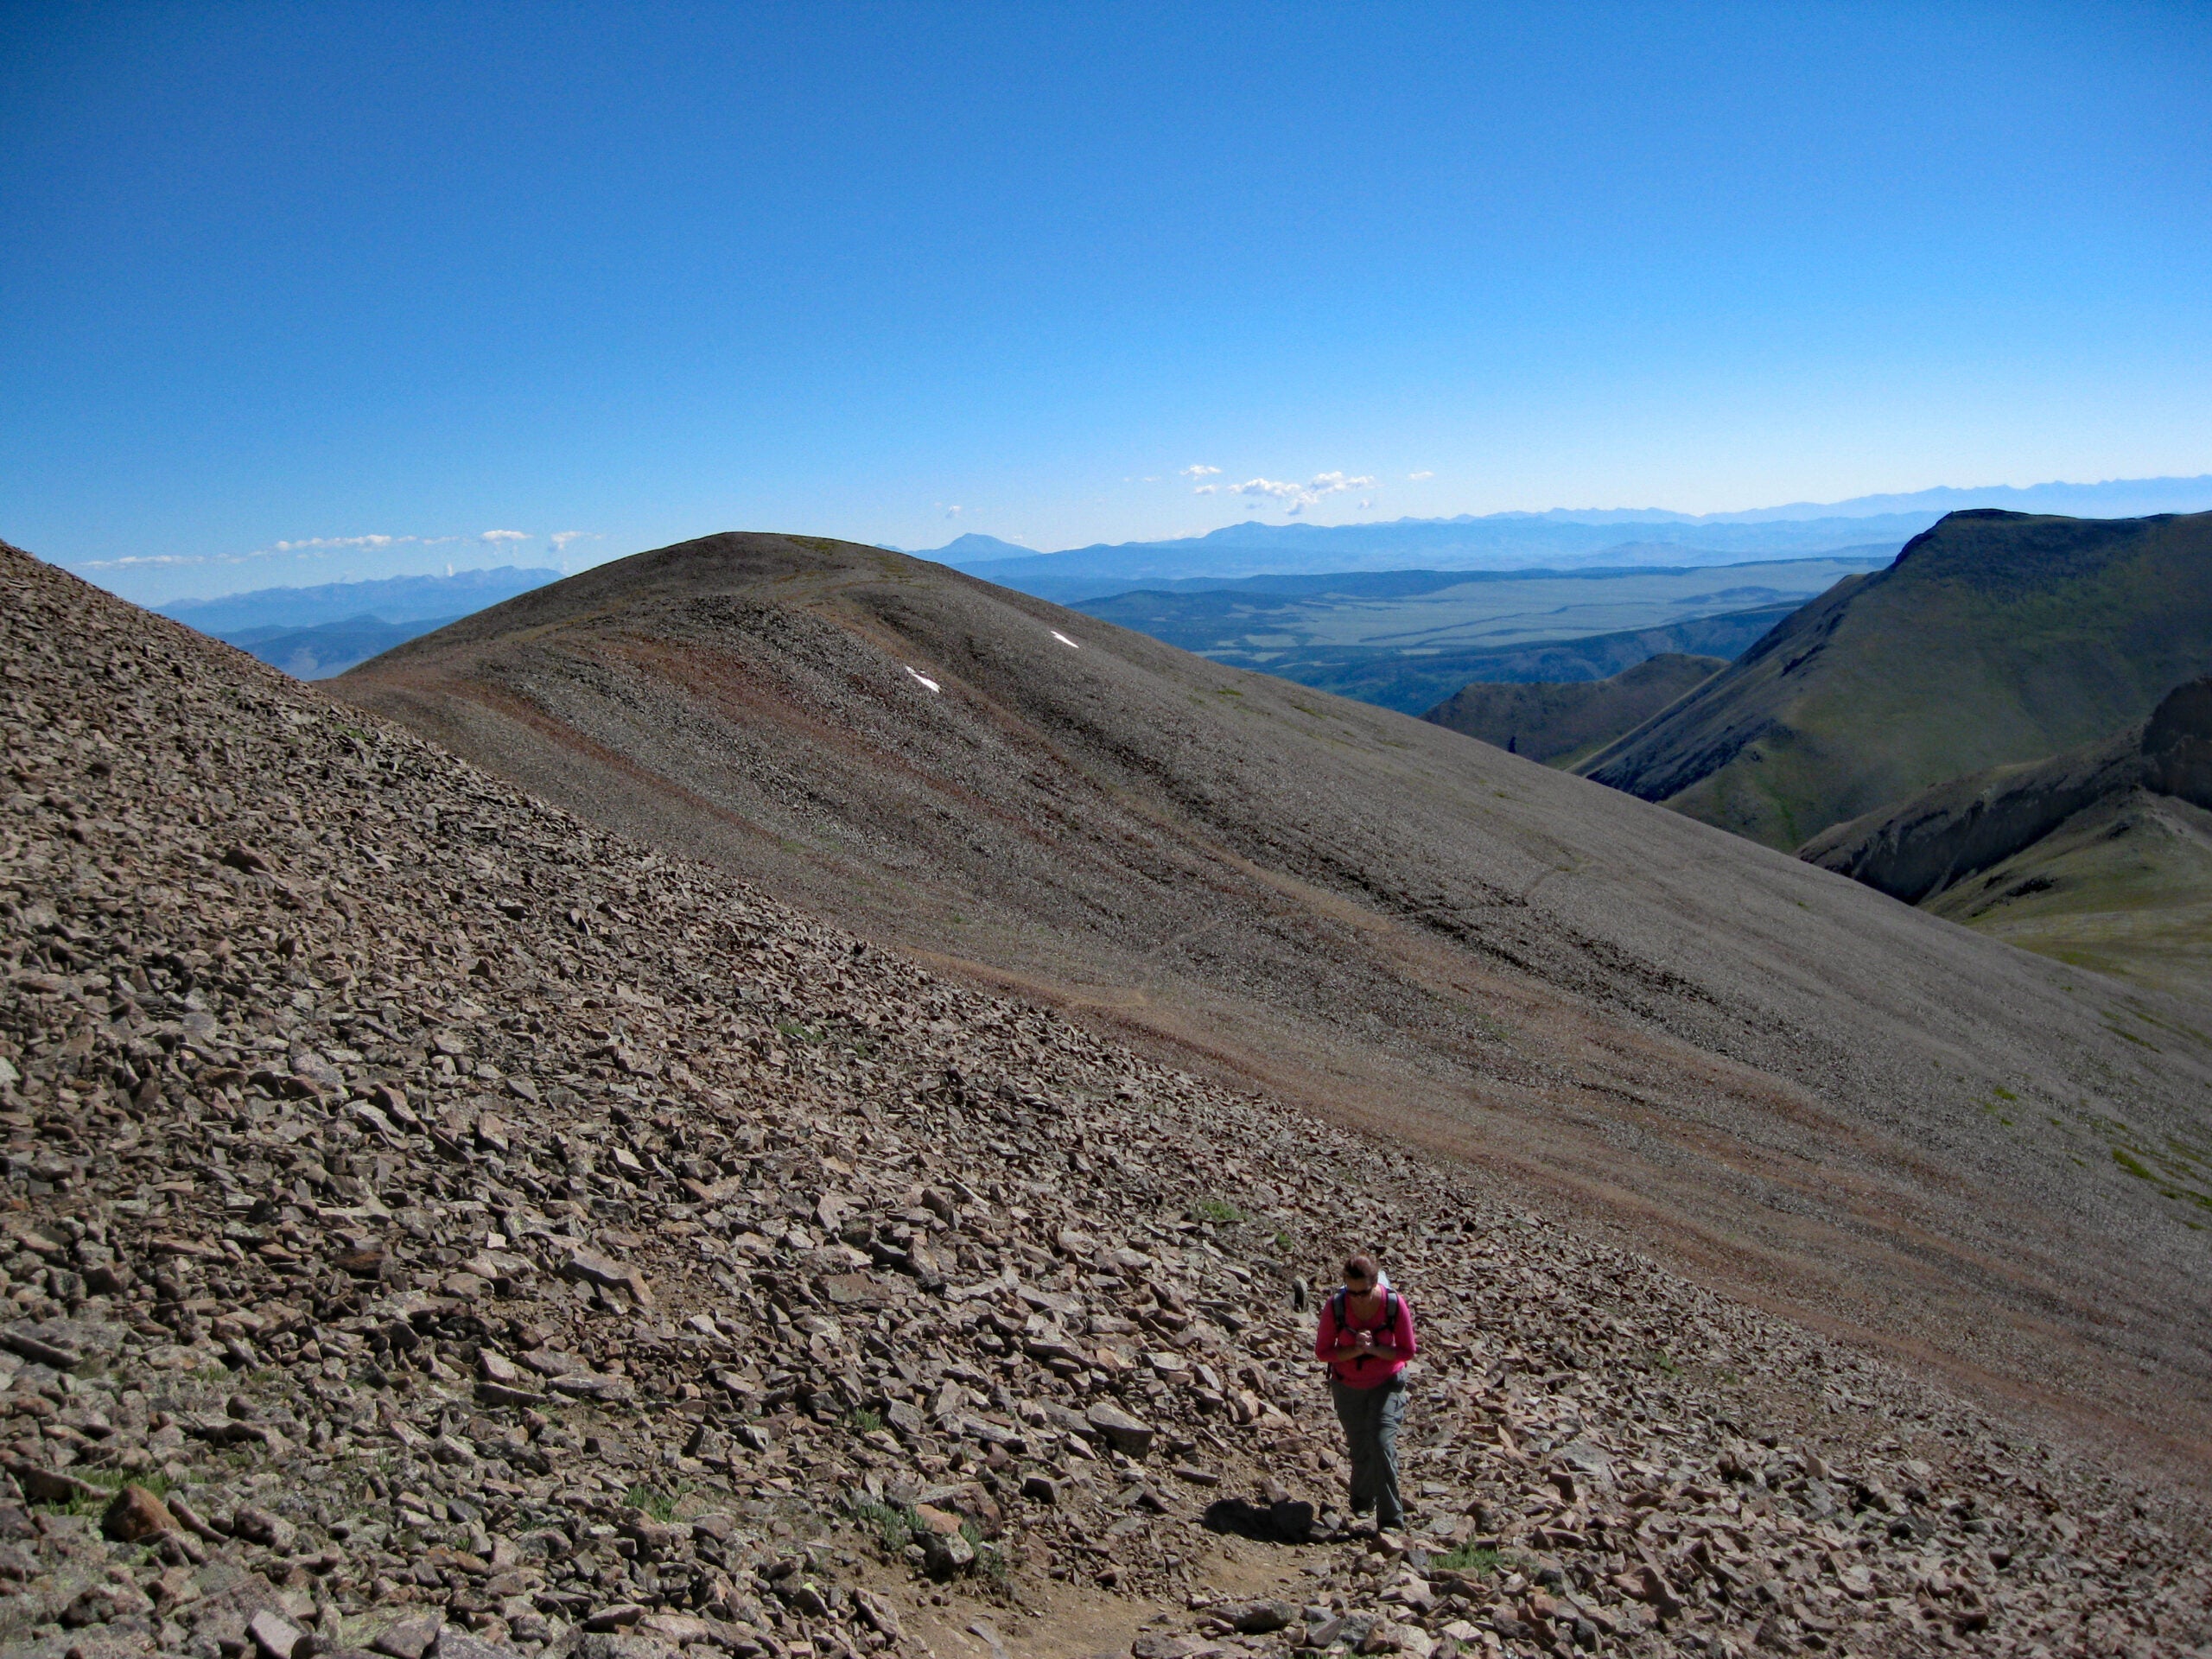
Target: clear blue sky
{"x":283,"y":274}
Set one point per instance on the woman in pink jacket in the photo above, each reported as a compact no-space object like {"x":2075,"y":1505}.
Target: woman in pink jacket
{"x":1366,"y":1337}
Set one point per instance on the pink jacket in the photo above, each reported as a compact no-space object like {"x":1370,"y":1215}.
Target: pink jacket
{"x":1394,"y":1341}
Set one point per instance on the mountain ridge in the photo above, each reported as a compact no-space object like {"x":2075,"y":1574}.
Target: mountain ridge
{"x":1374,"y":917}
{"x":1994,"y":638}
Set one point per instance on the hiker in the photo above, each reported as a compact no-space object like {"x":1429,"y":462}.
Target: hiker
{"x":1367,"y":1337}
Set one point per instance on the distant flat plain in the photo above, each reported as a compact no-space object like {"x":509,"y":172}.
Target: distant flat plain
{"x":1252,"y":623}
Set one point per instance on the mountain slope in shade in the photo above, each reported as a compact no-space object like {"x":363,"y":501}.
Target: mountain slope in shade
{"x":1562,"y":723}
{"x":1994,"y":639}
{"x":2099,"y":857}
{"x":1745,"y":1062}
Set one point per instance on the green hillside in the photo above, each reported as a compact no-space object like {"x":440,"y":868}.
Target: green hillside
{"x":1995,"y":637}
{"x":2101,"y":856}
{"x":1559,"y":724}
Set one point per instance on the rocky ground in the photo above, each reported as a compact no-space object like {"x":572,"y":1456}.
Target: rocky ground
{"x":434,"y":1227}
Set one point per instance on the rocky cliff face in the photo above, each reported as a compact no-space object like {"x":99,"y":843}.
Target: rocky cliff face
{"x":441,"y":1227}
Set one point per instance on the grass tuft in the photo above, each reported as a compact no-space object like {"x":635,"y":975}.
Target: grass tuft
{"x":654,"y":1501}
{"x":894,"y":1526}
{"x":1467,"y":1557}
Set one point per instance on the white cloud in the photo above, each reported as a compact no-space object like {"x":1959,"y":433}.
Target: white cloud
{"x":561,"y":538}
{"x":1196,"y":471}
{"x":1298,"y":496}
{"x":504,"y":536}
{"x":1207,"y":489}
{"x":1417,"y":477}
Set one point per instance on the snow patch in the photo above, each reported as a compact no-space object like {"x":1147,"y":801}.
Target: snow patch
{"x":1065,"y":640}
{"x":924,"y":680}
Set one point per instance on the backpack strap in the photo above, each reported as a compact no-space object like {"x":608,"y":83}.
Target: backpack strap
{"x":1338,"y":1302}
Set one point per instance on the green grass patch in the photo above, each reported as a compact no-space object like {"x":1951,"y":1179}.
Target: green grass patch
{"x":1467,"y":1557}
{"x":894,"y":1526}
{"x":992,"y":1567}
{"x":1661,"y":1361}
{"x":1218,"y":1210}
{"x":2004,"y":1094}
{"x":110,"y":1481}
{"x":2134,"y":1166}
{"x":657,"y":1502}
{"x":852,"y":1042}
{"x":866,"y":1422}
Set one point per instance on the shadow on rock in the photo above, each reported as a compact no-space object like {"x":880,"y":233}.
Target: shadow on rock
{"x":1284,"y":1522}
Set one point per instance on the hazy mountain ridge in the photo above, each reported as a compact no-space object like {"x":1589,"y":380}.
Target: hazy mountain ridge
{"x":1561,"y":535}
{"x":1519,"y":543}
{"x":316,"y":653}
{"x":390,"y":599}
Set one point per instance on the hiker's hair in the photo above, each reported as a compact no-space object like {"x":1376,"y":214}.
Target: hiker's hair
{"x":1364,"y":1266}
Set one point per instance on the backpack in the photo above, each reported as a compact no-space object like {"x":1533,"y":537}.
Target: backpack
{"x":1389,"y":1314}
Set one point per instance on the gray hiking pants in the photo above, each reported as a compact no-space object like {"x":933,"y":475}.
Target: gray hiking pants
{"x":1371,"y":1417}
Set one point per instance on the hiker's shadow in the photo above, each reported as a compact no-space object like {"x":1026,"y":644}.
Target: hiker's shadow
{"x":1286,"y":1522}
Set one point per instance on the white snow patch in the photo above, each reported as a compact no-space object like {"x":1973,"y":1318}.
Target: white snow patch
{"x":1065,"y":640}
{"x":927,"y":683}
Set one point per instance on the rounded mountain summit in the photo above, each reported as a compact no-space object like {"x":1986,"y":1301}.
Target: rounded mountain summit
{"x":1750,"y":1064}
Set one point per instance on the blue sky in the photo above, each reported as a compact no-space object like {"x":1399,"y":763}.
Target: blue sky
{"x":286,"y":275}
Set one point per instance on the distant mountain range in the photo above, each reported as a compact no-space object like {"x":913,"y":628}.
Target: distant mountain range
{"x":395,"y":599}
{"x":313,"y":633}
{"x":1563,"y":538}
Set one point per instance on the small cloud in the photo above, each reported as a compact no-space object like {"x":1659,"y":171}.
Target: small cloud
{"x":1368,"y":504}
{"x":315,"y":541}
{"x":1195,"y":472}
{"x":138,"y":561}
{"x":1417,"y":477}
{"x":1296,"y":497}
{"x":950,"y":512}
{"x":561,"y":538}
{"x":496,"y":536}
{"x":1207,"y":489}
